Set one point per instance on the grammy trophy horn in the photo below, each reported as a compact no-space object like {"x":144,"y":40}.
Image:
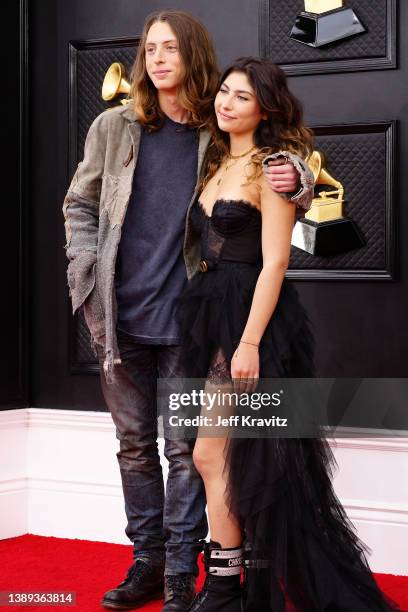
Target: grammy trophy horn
{"x":115,"y":82}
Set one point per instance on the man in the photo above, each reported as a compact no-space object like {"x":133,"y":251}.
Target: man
{"x":130,"y":254}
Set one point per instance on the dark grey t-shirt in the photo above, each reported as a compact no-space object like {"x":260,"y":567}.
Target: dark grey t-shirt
{"x":150,"y":269}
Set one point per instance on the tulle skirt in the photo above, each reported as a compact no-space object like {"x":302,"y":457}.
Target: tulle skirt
{"x":301,"y":550}
{"x":213,"y":311}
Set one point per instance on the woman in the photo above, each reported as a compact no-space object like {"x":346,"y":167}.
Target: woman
{"x":242,"y":322}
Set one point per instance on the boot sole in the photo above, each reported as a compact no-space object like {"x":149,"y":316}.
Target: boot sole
{"x":138,"y":604}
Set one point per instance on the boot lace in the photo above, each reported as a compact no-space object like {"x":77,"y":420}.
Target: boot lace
{"x":136,"y":572}
{"x":178,"y":584}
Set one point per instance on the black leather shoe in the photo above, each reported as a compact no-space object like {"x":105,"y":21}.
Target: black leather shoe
{"x":143,"y":583}
{"x":179,"y":592}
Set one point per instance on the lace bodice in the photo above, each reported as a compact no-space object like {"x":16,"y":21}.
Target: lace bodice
{"x":231,"y":233}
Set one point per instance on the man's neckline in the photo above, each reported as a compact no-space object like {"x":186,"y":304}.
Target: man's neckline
{"x":177,"y":123}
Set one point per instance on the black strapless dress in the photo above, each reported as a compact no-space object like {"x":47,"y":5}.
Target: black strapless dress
{"x":301,"y":548}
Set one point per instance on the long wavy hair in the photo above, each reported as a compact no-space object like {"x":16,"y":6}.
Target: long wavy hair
{"x":283,"y":128}
{"x":201,"y":72}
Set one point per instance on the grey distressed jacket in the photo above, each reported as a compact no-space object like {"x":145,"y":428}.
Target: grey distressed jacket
{"x":94,"y":210}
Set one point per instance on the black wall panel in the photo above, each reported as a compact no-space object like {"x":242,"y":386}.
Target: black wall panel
{"x":360,"y":325}
{"x":374,"y":49}
{"x":14,"y":329}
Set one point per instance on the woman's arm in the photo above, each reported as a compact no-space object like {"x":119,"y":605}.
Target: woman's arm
{"x":277,"y":224}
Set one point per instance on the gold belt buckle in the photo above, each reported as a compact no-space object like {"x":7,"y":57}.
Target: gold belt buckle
{"x":203,"y":266}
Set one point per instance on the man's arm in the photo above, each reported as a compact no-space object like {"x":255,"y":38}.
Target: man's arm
{"x":81,"y":214}
{"x":290,"y":176}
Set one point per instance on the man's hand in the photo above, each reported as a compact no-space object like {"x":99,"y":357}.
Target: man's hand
{"x":282,"y":176}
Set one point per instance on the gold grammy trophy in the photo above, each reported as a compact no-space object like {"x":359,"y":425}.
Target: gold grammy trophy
{"x":115,"y":83}
{"x":324,"y":230}
{"x":325,"y":21}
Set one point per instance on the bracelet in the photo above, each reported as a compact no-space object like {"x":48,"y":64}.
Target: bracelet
{"x":251,"y":343}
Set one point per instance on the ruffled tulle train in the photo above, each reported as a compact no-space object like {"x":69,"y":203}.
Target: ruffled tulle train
{"x":300,"y":546}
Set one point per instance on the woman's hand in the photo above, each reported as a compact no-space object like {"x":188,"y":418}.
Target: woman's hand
{"x":245,"y":368}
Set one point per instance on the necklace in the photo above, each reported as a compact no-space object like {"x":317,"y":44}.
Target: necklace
{"x":242,"y":154}
{"x":234,"y":159}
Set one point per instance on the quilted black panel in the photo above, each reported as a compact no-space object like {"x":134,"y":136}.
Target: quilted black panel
{"x":284,"y":50}
{"x":82,"y":349}
{"x":91,"y":66}
{"x":359,"y":162}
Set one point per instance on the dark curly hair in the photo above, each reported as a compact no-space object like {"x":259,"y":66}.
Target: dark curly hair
{"x":283,"y":128}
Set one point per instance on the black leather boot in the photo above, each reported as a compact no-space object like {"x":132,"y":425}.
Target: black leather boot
{"x":222,"y":588}
{"x":179,"y":592}
{"x":144,"y":582}
{"x":257,"y":585}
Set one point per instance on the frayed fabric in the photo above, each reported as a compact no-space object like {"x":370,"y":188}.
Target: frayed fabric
{"x":303,"y":198}
{"x":108,"y":366}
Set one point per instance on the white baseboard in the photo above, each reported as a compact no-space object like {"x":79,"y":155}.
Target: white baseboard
{"x":59,"y":477}
{"x":13,"y":473}
{"x":13,"y":508}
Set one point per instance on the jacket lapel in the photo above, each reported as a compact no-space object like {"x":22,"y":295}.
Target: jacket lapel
{"x":202,"y":147}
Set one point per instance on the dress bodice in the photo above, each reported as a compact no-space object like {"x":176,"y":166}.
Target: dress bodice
{"x":231,"y":233}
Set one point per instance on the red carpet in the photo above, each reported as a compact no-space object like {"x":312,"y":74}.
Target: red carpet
{"x":34,"y":563}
